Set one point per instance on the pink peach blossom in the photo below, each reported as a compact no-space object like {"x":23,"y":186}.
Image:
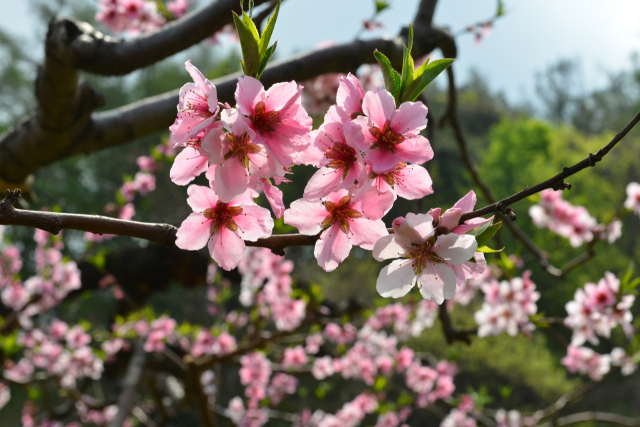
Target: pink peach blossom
{"x":343,"y":221}
{"x":224,"y":226}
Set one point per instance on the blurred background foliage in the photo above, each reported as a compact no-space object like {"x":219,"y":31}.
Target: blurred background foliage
{"x":513,"y":145}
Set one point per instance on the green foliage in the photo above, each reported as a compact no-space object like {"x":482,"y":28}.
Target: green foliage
{"x":408,"y":85}
{"x":255,"y":48}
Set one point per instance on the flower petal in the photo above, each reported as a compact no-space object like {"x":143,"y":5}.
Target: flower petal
{"x":254,"y":223}
{"x":413,"y":183}
{"x":306,"y":216}
{"x":201,"y":198}
{"x":437,"y":282}
{"x":332,"y":248}
{"x":392,"y":246}
{"x":411,"y":117}
{"x":274,"y":197}
{"x":248,"y":93}
{"x":231,"y":180}
{"x":322,"y":183}
{"x":417,"y":227}
{"x":467,"y":203}
{"x":187,"y":165}
{"x":379,"y":105}
{"x":365,"y":233}
{"x":396,"y":279}
{"x":194,"y":233}
{"x":226,"y":248}
{"x":456,"y":249}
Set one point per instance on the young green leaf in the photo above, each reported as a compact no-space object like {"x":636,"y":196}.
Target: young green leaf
{"x":268,"y":31}
{"x":407,"y":67}
{"x":254,"y":30}
{"x":391,"y":76}
{"x":249,"y":45}
{"x":381,"y":5}
{"x":488,"y":250}
{"x":265,"y":59}
{"x":488,"y":233}
{"x":431,"y":71}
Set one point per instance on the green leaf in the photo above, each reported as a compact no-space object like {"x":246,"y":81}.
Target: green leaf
{"x":478,"y":231}
{"x":407,"y":67}
{"x":252,"y":27}
{"x":380,"y":384}
{"x":431,"y":71}
{"x":265,"y":59}
{"x":381,"y":5}
{"x":488,"y":250}
{"x":268,"y":31}
{"x":391,"y":76}
{"x":249,"y":39}
{"x":488,"y":233}
{"x":500,"y":10}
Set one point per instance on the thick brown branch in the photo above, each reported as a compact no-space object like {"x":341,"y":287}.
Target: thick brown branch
{"x":107,"y":56}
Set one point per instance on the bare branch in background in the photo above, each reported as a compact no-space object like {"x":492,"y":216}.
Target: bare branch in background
{"x":130,"y":383}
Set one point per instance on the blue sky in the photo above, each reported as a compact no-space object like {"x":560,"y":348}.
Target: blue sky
{"x":534,"y":34}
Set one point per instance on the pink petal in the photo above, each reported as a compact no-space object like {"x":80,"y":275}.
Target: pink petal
{"x":411,"y":117}
{"x":396,"y":279}
{"x":322,"y":183}
{"x":274,"y":196}
{"x":415,"y":149}
{"x":450,"y":218}
{"x":187,"y":165}
{"x":210,"y":175}
{"x":337,"y":115}
{"x":332,"y":248}
{"x":391,"y":246}
{"x":359,"y":133}
{"x":350,"y":94}
{"x":366,"y":233}
{"x":379,"y":105}
{"x":471,"y":224}
{"x":194,"y":233}
{"x":437,"y":282}
{"x":383,"y":161}
{"x":306,"y":216}
{"x":282,"y":95}
{"x":374,"y":204}
{"x":203,"y":84}
{"x":231,"y":180}
{"x":414,"y":183}
{"x":226,"y":248}
{"x":201,"y":198}
{"x":254,"y":223}
{"x":455,"y":249}
{"x":248,"y":93}
{"x":467,"y":203}
{"x":215,"y":145}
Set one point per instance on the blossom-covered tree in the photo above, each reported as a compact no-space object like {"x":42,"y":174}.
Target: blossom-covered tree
{"x":269,"y":338}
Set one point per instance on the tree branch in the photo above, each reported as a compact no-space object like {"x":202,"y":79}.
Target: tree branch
{"x":130,"y":383}
{"x":607,"y":417}
{"x":451,"y":334}
{"x":555,"y":182}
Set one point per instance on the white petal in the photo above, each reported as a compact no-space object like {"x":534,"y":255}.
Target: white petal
{"x":437,"y":282}
{"x":391,"y":246}
{"x":456,"y":249}
{"x":396,"y":279}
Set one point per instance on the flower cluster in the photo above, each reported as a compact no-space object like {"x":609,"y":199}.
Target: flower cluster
{"x":435,"y":252}
{"x":584,"y":360}
{"x":61,"y":351}
{"x":569,"y":221}
{"x":597,"y":309}
{"x":132,"y":16}
{"x":507,"y":306}
{"x":53,"y":281}
{"x":633,"y":197}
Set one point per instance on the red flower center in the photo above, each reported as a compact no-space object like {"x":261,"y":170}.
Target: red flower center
{"x":340,"y":213}
{"x":222,"y":215}
{"x":241,"y":147}
{"x":391,"y":178}
{"x":263,"y":120}
{"x":196,"y":105}
{"x":340,"y":156}
{"x":422,"y":254}
{"x":386,"y":139}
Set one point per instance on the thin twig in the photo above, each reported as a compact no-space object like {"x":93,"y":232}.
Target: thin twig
{"x":131,"y":380}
